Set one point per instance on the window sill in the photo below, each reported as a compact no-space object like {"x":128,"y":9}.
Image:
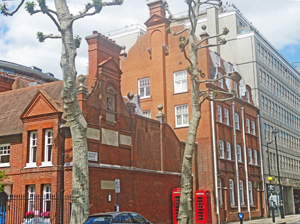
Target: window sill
{"x":145,"y":97}
{"x":184,"y":126}
{"x":4,"y":165}
{"x":179,"y":92}
{"x":30,"y":165}
{"x":46,"y":164}
{"x":233,"y":206}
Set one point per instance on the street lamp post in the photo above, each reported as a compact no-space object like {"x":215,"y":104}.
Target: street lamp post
{"x":275,"y":132}
{"x":270,"y":177}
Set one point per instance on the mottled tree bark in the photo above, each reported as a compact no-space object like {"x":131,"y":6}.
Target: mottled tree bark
{"x":76,"y":120}
{"x":63,"y":20}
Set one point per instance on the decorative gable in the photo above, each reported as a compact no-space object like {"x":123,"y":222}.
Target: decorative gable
{"x":41,"y":104}
{"x":156,"y":19}
{"x":111,"y":65}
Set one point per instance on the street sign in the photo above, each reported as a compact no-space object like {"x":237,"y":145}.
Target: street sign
{"x":117,"y":185}
{"x":241,"y":215}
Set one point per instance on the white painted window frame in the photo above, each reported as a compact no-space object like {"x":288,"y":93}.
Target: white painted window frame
{"x":180,"y":81}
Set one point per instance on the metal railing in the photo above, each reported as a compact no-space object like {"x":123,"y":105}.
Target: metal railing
{"x":20,"y":209}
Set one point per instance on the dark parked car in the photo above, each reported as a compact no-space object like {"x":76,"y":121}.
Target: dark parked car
{"x":116,"y":217}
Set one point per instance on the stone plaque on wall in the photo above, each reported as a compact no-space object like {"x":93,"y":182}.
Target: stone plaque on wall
{"x":110,"y":137}
{"x":93,"y":133}
{"x":107,"y":185}
{"x":125,"y":140}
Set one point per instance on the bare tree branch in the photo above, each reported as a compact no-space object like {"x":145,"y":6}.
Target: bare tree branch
{"x":30,"y":7}
{"x":171,"y":16}
{"x":210,"y":45}
{"x":5,"y":11}
{"x":97,"y":5}
{"x":180,"y":32}
{"x":42,"y":37}
{"x":225,"y":32}
{"x":216,"y":79}
{"x":222,"y":100}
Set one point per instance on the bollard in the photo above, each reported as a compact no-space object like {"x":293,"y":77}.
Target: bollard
{"x":273,"y":214}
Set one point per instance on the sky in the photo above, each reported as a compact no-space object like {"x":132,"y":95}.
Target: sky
{"x":277,"y":20}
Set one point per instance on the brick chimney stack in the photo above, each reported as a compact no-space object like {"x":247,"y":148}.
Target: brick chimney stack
{"x":156,"y":7}
{"x":100,"y":49}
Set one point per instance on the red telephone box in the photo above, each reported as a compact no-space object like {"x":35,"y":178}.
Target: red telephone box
{"x":203,"y":207}
{"x":175,"y":203}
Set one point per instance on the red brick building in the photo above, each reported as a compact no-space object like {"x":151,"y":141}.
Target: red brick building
{"x":228,"y":155}
{"x":144,"y":154}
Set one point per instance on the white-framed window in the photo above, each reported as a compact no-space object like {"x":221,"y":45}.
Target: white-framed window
{"x":219,"y":113}
{"x":247,"y":125}
{"x":220,"y":192}
{"x":231,"y":192}
{"x":218,"y":59}
{"x":239,"y":153}
{"x":46,"y":197}
{"x":255,"y":157}
{"x":182,"y":115}
{"x":31,"y":196}
{"x":144,"y":87}
{"x":48,"y":147}
{"x":226,"y":116}
{"x":221,"y":81}
{"x":247,"y":96}
{"x":32,"y":149}
{"x":250,"y":156}
{"x":235,"y":87}
{"x":253,"y":127}
{"x":242,"y":198}
{"x":237,"y":121}
{"x":228,"y":149}
{"x":4,"y":154}
{"x":251,"y":193}
{"x":221,"y":148}
{"x":147,"y":113}
{"x":180,"y":81}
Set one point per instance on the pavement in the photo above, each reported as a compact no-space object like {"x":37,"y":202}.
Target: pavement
{"x":293,"y":219}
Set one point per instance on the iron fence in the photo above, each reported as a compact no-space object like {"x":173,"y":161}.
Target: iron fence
{"x":21,"y":209}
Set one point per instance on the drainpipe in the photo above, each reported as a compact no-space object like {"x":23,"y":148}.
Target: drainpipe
{"x":215,"y":159}
{"x":236,"y":159}
{"x":62,"y":188}
{"x":246,"y":161}
{"x":261,"y":161}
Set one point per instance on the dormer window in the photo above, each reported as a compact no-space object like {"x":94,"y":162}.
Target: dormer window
{"x":247,"y":96}
{"x":111,"y":105}
{"x":235,"y":88}
{"x":218,"y":60}
{"x":220,"y":80}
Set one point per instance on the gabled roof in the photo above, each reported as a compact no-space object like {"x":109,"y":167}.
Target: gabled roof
{"x":13,"y":104}
{"x":41,"y":104}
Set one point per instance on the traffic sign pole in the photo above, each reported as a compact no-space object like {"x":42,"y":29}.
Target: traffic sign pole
{"x":241,"y":216}
{"x":117,"y":190}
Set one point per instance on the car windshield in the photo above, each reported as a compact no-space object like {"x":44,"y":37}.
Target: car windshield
{"x":99,"y":220}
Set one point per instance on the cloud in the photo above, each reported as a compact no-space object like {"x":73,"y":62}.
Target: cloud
{"x":277,"y":20}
